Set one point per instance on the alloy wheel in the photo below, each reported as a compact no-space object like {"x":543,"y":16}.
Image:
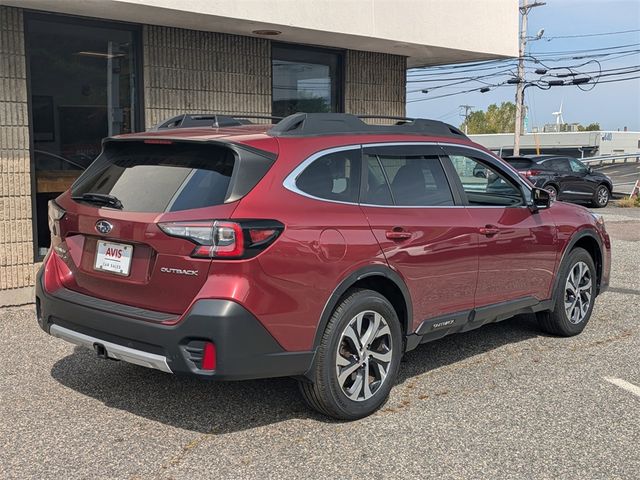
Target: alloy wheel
{"x":364,"y":356}
{"x":553,"y":193}
{"x":603,"y":196}
{"x":577,"y":297}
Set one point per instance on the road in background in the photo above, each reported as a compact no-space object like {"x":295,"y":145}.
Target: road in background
{"x":623,"y":175}
{"x":504,"y":401}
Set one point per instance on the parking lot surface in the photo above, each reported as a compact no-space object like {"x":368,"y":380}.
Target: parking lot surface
{"x":504,"y":401}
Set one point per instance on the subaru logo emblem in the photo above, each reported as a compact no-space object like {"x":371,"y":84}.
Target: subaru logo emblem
{"x":104,"y":227}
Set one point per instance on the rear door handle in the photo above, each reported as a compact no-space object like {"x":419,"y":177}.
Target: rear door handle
{"x":397,"y":235}
{"x":489,"y":230}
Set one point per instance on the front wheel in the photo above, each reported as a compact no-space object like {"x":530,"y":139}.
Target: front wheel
{"x":358,"y":358}
{"x":574,"y":296}
{"x":601,"y":197}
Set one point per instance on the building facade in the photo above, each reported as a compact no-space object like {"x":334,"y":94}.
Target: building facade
{"x":73,"y":72}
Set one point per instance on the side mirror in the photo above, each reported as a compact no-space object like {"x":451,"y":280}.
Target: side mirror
{"x":540,"y":199}
{"x":589,"y":169}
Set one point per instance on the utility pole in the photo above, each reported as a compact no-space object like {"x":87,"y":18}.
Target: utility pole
{"x":467,"y":111}
{"x":519,"y":126}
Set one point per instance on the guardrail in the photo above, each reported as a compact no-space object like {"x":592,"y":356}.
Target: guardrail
{"x":601,"y":160}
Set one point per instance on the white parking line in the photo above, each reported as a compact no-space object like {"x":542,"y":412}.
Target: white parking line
{"x":629,"y":387}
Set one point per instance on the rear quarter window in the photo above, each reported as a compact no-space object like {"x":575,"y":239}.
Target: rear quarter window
{"x":160,"y":177}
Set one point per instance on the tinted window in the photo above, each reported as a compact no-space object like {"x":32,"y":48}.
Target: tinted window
{"x":377,"y":191}
{"x":557,"y":164}
{"x":414,"y":180}
{"x":492,"y":189}
{"x":335,"y":176}
{"x":577,"y":166}
{"x":160,"y":178}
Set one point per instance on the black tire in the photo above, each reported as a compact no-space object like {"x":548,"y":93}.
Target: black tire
{"x":601,"y":196}
{"x":325,"y":394}
{"x":553,"y":192}
{"x":557,"y":321}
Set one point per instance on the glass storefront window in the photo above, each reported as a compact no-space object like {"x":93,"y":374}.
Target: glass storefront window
{"x":83,"y":88}
{"x":305,"y":80}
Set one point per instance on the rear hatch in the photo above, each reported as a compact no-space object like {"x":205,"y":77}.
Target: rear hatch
{"x":116,"y":250}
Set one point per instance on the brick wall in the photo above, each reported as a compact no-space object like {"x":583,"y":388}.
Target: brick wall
{"x":375,"y":83}
{"x":16,"y":249}
{"x":193,"y":71}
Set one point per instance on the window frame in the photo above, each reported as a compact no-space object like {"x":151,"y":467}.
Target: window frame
{"x":308,"y":52}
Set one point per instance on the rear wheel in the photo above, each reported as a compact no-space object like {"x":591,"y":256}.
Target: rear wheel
{"x":575,"y":295}
{"x":553,"y":192}
{"x":601,"y":197}
{"x":358,"y":358}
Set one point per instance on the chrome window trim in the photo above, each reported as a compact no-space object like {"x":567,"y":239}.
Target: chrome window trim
{"x":290,"y":180}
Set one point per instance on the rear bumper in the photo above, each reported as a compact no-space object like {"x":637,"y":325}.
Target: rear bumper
{"x":244,"y":348}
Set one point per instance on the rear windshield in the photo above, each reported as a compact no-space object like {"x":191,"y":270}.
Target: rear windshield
{"x":159,"y":177}
{"x":519,"y":163}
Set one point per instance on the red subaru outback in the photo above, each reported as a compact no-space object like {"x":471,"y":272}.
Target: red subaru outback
{"x":321,"y":248}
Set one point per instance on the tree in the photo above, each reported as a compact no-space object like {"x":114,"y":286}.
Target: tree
{"x":497,"y":119}
{"x":592,"y":127}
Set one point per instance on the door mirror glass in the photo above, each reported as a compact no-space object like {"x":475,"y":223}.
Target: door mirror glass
{"x":540,"y":199}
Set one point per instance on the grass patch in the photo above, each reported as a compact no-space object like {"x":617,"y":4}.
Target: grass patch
{"x":628,"y":202}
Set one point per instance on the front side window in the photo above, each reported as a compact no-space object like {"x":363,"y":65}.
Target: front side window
{"x":406,"y":180}
{"x":493,"y":189}
{"x":305,"y":80}
{"x":335,"y":176}
{"x":577,"y":167}
{"x":558,"y":165}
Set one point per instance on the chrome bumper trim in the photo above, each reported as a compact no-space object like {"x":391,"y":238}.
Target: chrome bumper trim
{"x":115,"y":351}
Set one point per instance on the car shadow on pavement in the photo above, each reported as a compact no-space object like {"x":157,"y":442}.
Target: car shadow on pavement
{"x":225,"y":407}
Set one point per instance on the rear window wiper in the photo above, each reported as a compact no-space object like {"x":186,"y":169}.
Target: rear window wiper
{"x":99,"y":198}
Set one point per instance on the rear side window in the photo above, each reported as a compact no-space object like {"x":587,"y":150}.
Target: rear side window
{"x":160,"y":178}
{"x":335,"y":176}
{"x":414,"y":180}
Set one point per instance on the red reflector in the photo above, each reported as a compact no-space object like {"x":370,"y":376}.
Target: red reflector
{"x":209,"y":356}
{"x":159,"y":142}
{"x":260,"y":235}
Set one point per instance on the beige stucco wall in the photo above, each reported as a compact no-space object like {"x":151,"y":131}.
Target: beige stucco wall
{"x":428,"y":32}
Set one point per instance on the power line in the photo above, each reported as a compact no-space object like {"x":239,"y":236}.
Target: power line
{"x":591,"y":34}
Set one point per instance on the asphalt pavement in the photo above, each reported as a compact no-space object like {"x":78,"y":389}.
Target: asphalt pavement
{"x":623,"y":175}
{"x":504,"y":401}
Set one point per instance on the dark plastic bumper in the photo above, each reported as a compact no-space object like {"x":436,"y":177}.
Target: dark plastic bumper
{"x":244,"y":348}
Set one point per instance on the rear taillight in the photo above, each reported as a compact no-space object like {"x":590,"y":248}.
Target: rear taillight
{"x":225,"y":239}
{"x":531,"y":173}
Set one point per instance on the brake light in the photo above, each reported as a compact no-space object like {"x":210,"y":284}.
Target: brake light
{"x":158,"y":141}
{"x":225,"y":239}
{"x":532,"y":173}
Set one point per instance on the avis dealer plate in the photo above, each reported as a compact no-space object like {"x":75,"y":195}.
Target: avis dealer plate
{"x":113,"y":257}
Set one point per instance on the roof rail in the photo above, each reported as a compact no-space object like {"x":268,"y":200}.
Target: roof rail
{"x":213,"y":120}
{"x":309,"y":124}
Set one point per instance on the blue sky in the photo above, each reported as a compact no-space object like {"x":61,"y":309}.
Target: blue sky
{"x":613,"y":105}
